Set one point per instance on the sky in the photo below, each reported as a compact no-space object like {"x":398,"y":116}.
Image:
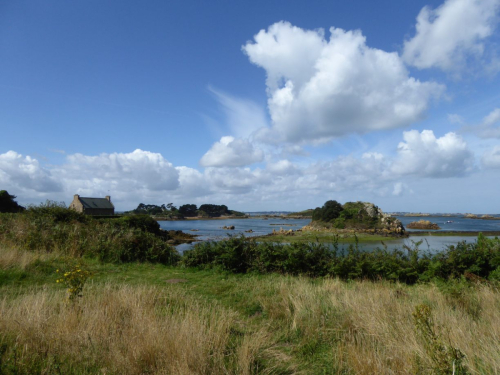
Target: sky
{"x":259,"y":105}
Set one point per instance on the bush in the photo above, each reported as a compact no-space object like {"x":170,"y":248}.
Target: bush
{"x":409,"y":265}
{"x":52,"y":227}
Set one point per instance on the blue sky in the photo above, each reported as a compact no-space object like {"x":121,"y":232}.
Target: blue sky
{"x":260,"y":105}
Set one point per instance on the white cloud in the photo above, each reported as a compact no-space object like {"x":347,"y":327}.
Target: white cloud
{"x":231,"y":152}
{"x":423,"y":154}
{"x":491,"y":158}
{"x":24,"y":173}
{"x":319,"y":89}
{"x":192,"y":183}
{"x":281,"y":168}
{"x":489,"y":128}
{"x":448,"y":35}
{"x":493,"y":118}
{"x":233,"y":180}
{"x":119,"y":172}
{"x":243,"y":116}
{"x":143,"y":176}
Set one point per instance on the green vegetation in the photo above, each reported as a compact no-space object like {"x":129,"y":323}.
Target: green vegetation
{"x":236,"y":306}
{"x":361,"y":216}
{"x":52,"y":227}
{"x":140,"y":318}
{"x":324,"y":236}
{"x":409,"y":265}
{"x":305,"y":214}
{"x":208,"y":210}
{"x":168,"y":210}
{"x":349,"y":215}
{"x":8,"y":203}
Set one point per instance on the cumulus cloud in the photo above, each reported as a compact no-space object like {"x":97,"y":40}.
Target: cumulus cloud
{"x":143,"y":176}
{"x":231,"y":152}
{"x":191,"y":183}
{"x":138,"y":175}
{"x":491,"y":158}
{"x":425,"y":155}
{"x":446,"y":36}
{"x":319,"y":88}
{"x":25,"y":173}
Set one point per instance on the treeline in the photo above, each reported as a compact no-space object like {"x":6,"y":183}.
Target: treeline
{"x":186,"y":210}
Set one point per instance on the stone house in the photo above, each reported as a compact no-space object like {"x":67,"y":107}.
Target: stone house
{"x":93,"y":206}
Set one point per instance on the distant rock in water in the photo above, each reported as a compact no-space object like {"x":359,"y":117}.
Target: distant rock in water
{"x":471,"y":216}
{"x":423,"y":224}
{"x":359,"y":216}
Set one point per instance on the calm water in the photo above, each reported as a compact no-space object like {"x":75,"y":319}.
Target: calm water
{"x":212,"y":230}
{"x":458,"y":223}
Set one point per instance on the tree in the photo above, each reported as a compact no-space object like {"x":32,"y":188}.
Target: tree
{"x":214,"y":210}
{"x":8,"y":204}
{"x":328,"y":213}
{"x":188,"y":210}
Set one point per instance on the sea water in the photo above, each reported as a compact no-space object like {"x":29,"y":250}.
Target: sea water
{"x":213,"y":230}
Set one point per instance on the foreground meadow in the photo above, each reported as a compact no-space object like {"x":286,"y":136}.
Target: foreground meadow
{"x":86,"y":296}
{"x":149,"y":318}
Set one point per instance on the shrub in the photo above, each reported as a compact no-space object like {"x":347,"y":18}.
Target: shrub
{"x":52,"y":227}
{"x":409,"y":265}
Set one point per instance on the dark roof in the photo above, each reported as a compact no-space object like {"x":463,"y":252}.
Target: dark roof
{"x":96,"y":203}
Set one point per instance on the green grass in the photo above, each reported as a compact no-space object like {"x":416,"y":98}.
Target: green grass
{"x":308,"y":325}
{"x":324,"y":237}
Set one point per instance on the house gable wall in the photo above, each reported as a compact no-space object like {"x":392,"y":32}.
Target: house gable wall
{"x":78,"y":206}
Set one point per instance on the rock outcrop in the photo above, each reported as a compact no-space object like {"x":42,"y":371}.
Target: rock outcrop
{"x":283,"y":232}
{"x":423,"y":224}
{"x":471,"y":216}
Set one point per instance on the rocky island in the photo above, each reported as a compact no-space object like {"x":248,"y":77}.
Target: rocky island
{"x":423,"y":224}
{"x":352,"y":221}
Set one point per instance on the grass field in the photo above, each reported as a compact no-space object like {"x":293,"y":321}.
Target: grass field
{"x":142,"y":318}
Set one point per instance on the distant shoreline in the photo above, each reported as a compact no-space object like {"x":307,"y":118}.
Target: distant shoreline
{"x":452,"y":233}
{"x":461,"y":216}
{"x":229,"y":217}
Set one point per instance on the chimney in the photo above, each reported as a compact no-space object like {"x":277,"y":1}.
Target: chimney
{"x":76,"y":196}
{"x":108,"y":198}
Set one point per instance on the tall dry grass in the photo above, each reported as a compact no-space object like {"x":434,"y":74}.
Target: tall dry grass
{"x":15,"y":258}
{"x":370,"y":326}
{"x":121,"y":330}
{"x":356,"y":327}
